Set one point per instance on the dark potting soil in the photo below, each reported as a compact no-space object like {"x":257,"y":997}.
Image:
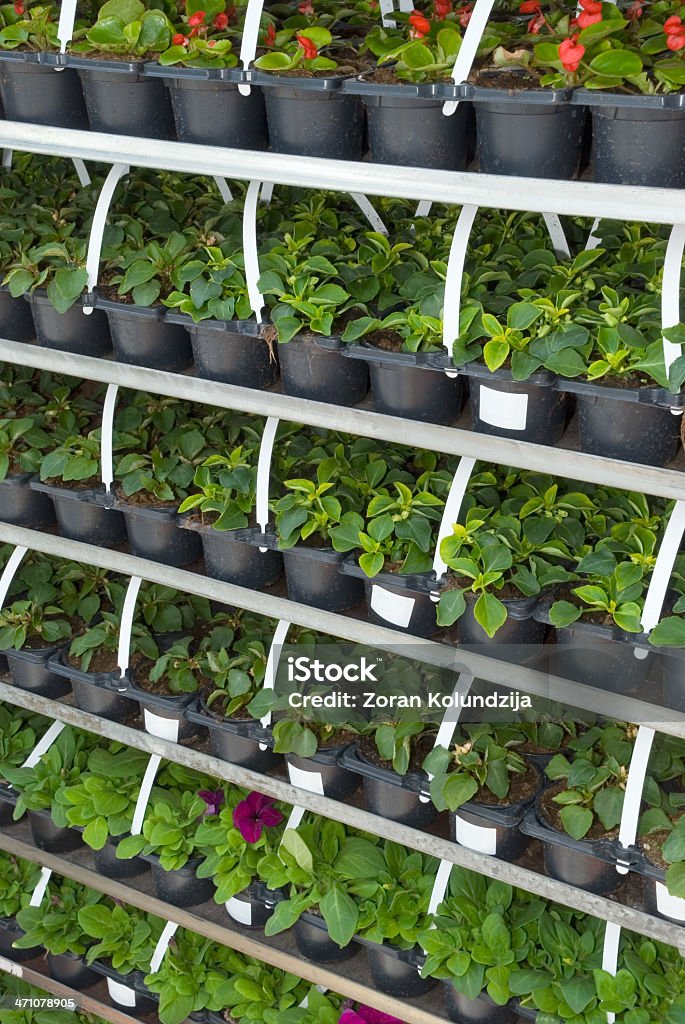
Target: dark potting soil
{"x":420,"y":747}
{"x":522,"y":787}
{"x":596,"y":618}
{"x":141,"y":668}
{"x":93,"y":483}
{"x":552,"y":815}
{"x":652,"y":846}
{"x":505,"y":78}
{"x":145,"y":500}
{"x":389,"y":341}
{"x":508,"y":592}
{"x":102,"y":661}
{"x":348,"y":60}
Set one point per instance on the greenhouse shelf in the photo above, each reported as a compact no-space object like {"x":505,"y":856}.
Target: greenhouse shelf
{"x":351,"y":979}
{"x":89,"y":1001}
{"x":581,"y":198}
{"x":443,"y":849}
{"x":668,"y":483}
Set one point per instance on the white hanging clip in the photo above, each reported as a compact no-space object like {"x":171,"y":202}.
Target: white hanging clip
{"x":450,"y":514}
{"x":467,"y":50}
{"x":65,"y":27}
{"x":632,"y":798}
{"x":165,"y":938}
{"x":370,"y":212}
{"x":450,"y":719}
{"x":224,"y":190}
{"x":248,"y":45}
{"x":612,"y":937}
{"x":453,"y":279}
{"x":10,"y":569}
{"x":250,"y":247}
{"x":126,"y":626}
{"x":670,"y":293}
{"x":266,"y":449}
{"x":144,"y":795}
{"x":39,"y":891}
{"x":107,"y":437}
{"x":557,"y":235}
{"x":272,"y":661}
{"x":43,"y":744}
{"x":116,"y":172}
{"x":593,"y":240}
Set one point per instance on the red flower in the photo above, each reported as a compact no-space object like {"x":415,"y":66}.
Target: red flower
{"x":673,"y":24}
{"x":306,"y":7}
{"x":179,"y":40}
{"x":420,"y":26}
{"x":442,"y":8}
{"x":309,"y":47}
{"x":529,"y":6}
{"x":635,"y":10}
{"x":536,"y":23}
{"x":19,"y":8}
{"x":676,"y":41}
{"x":571,"y":53}
{"x":465,"y":13}
{"x":211,"y":42}
{"x":220,"y":22}
{"x":586,"y":19}
{"x":270,"y":37}
{"x":197,"y":19}
{"x":255,"y":813}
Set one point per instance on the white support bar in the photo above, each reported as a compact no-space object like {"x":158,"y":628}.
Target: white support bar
{"x":663,"y":568}
{"x":107,"y":436}
{"x":272,"y":661}
{"x":8,"y":572}
{"x":467,"y":50}
{"x":144,"y":795}
{"x":670,"y":290}
{"x":248,"y":44}
{"x":126,"y":625}
{"x":250,"y":247}
{"x":266,"y":450}
{"x":116,"y":173}
{"x":451,"y":512}
{"x":632,"y":799}
{"x":65,"y":27}
{"x":453,"y":277}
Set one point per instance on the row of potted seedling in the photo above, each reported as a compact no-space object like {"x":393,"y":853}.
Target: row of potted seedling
{"x":336,"y":887}
{"x":321,"y":72}
{"x":348,"y":306}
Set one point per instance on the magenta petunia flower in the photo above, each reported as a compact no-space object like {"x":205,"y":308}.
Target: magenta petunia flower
{"x":213,"y":798}
{"x":254,"y":814}
{"x":367,"y":1015}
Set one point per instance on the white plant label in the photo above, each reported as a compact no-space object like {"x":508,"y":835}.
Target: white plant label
{"x":311,"y":781}
{"x":39,"y":891}
{"x":163,"y":728}
{"x":669,"y":906}
{"x":476,"y":837}
{"x":65,"y":27}
{"x":123,"y":994}
{"x":239,"y":910}
{"x":499,"y":409}
{"x":395,"y":608}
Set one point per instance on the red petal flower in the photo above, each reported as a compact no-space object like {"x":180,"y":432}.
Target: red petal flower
{"x":673,"y":24}
{"x":179,"y":39}
{"x":420,"y":24}
{"x":19,"y":8}
{"x":270,"y":37}
{"x":536,"y":23}
{"x":220,"y":22}
{"x":306,"y":7}
{"x":676,"y":40}
{"x":309,"y":47}
{"x":529,"y":6}
{"x":197,"y":19}
{"x":586,"y":19}
{"x":591,"y":6}
{"x":635,"y":11}
{"x":571,"y":53}
{"x":465,"y":13}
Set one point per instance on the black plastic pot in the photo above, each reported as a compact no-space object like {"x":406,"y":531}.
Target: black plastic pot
{"x":516,"y":639}
{"x":122,"y":989}
{"x":313,"y":942}
{"x":154,"y":533}
{"x":394,"y":972}
{"x":142,"y":336}
{"x":411,"y":386}
{"x":392,"y":796}
{"x":9,"y":933}
{"x":333,"y":781}
{"x":22,"y":506}
{"x":233,"y":352}
{"x":533,"y":133}
{"x":120,"y":100}
{"x":631,"y":431}
{"x":407,"y":127}
{"x":72,"y":971}
{"x":312,"y":117}
{"x":107,"y":863}
{"x":31,"y":671}
{"x":73,"y":331}
{"x":397,"y":601}
{"x":602,"y":657}
{"x":16,"y":322}
{"x":98,"y":693}
{"x":248,"y":908}
{"x":38,"y":94}
{"x":181,"y":886}
{"x":531,"y":410}
{"x":586,"y":863}
{"x":234,"y":556}
{"x":8,"y":800}
{"x":82,"y":515}
{"x":232,"y":741}
{"x":637,"y":140}
{"x":315,"y":368}
{"x":210,"y":111}
{"x":481,"y":1010}
{"x":164,"y":714}
{"x":50,"y":837}
{"x":673,"y":670}
{"x":313,"y":577}
{"x":493,"y":829}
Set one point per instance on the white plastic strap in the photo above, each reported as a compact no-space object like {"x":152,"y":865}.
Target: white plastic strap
{"x":450,"y":718}
{"x":439,"y":886}
{"x":8,"y":572}
{"x":267,"y":192}
{"x":371,"y":214}
{"x":126,"y":626}
{"x":467,"y":50}
{"x":295,"y":818}
{"x":453,"y":277}
{"x":424,"y":208}
{"x":451,"y":511}
{"x":670,"y":290}
{"x":250,"y":244}
{"x":116,"y":172}
{"x":144,"y":795}
{"x":248,"y":45}
{"x":632,"y":799}
{"x":107,"y":436}
{"x":7,"y":158}
{"x":387,"y":7}
{"x":65,"y":28}
{"x":81,"y":171}
{"x":264,"y":472}
{"x":665,"y":560}
{"x":593,"y":240}
{"x":43,"y":744}
{"x":165,"y":938}
{"x":224,"y":190}
{"x":556,"y":234}
{"x":39,"y":891}
{"x":305,"y":1002}
{"x":612,"y":937}
{"x":271,"y":667}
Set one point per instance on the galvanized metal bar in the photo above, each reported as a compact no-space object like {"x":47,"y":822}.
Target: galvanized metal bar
{"x":504,"y":673}
{"x":583,"y":198}
{"x":351,"y":979}
{"x":669,"y":483}
{"x":441,"y":849}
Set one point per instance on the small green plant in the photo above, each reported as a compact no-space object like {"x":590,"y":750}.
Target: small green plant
{"x":55,"y":924}
{"x":28,"y":624}
{"x":477,"y":762}
{"x":126,"y":937}
{"x":169,"y":830}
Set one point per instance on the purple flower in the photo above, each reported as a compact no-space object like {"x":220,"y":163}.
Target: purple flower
{"x":367,"y":1015}
{"x":213,"y":798}
{"x":254,"y":814}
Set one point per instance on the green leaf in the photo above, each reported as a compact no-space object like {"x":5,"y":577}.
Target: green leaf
{"x":490,"y":613}
{"x":577,"y":821}
{"x":66,"y":287}
{"x":616,"y":64}
{"x":340,"y":913}
{"x":522,"y":314}
{"x":295,"y":845}
{"x":451,"y":606}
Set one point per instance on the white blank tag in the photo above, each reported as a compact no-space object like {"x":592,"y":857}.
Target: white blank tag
{"x":164,"y":728}
{"x":39,"y":891}
{"x":476,"y":837}
{"x":123,"y":994}
{"x":501,"y":409}
{"x":239,"y":910}
{"x":395,"y":608}
{"x":311,"y":781}
{"x":669,"y":906}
